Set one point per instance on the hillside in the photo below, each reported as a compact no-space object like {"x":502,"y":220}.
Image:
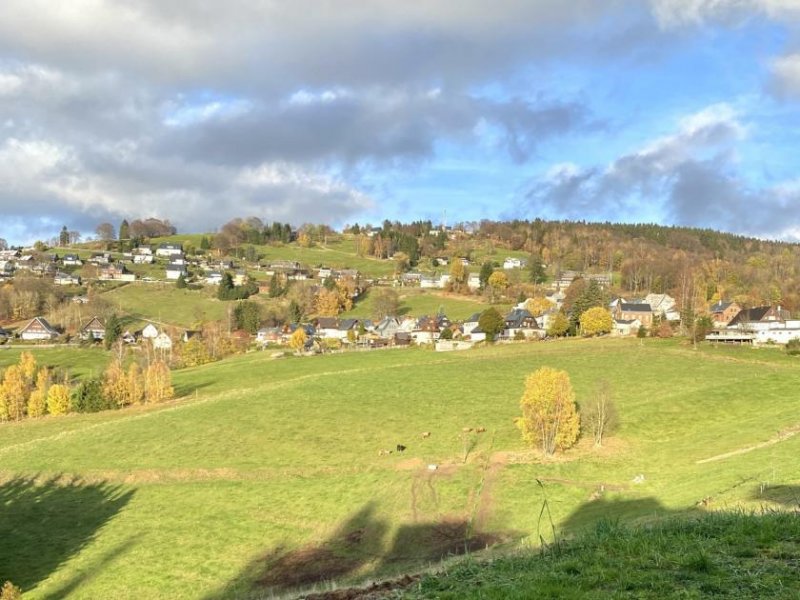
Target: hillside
{"x":266,"y":475}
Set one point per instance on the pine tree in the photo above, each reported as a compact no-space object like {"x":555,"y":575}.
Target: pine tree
{"x":113,"y":331}
{"x":124,"y":230}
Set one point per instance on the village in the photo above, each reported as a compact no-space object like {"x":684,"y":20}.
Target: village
{"x":529,"y":319}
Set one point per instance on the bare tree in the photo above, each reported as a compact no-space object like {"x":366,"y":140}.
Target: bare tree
{"x":600,"y":415}
{"x":105,"y":231}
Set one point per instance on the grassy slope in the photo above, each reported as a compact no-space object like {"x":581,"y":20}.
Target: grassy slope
{"x":416,"y":302}
{"x":168,"y":304}
{"x":281,"y":454}
{"x":720,"y":555}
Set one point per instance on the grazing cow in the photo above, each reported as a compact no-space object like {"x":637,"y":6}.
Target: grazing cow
{"x":426,"y":434}
{"x":384,"y":452}
{"x":480,"y":430}
{"x":401,"y":448}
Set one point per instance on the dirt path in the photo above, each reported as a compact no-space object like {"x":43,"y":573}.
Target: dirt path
{"x":781,"y":437}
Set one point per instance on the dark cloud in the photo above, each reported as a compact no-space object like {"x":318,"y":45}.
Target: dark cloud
{"x":688,"y":178}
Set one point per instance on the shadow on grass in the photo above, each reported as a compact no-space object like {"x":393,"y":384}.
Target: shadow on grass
{"x":615,"y":510}
{"x":786,"y":495}
{"x":359,"y":547}
{"x":45,"y":524}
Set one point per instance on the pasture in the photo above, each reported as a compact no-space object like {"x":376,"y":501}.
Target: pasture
{"x":266,"y":475}
{"x":416,"y":302}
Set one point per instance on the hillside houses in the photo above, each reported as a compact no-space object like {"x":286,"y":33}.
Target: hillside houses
{"x":758,"y":325}
{"x":38,"y":329}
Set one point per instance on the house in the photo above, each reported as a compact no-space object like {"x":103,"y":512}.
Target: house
{"x":520,"y":320}
{"x":169,"y":250}
{"x":178,"y":259}
{"x":190,"y":334}
{"x":5,"y":334}
{"x":324,"y":272}
{"x":513,"y":263}
{"x":71,"y":260}
{"x":630,"y":311}
{"x":128,"y":337}
{"x":240,"y":277}
{"x":474,"y":281}
{"x":626,"y":327}
{"x":9,"y":254}
{"x":758,"y":317}
{"x":143,"y":259}
{"x":6,"y":268}
{"x":116,"y":272}
{"x":723,"y":313}
{"x":328,"y":327}
{"x":66,"y":279}
{"x":100,"y":258}
{"x":93,"y":330}
{"x":471,"y":323}
{"x":663,"y":305}
{"x":175,"y":271}
{"x":150,"y":332}
{"x":214,"y":278}
{"x":144,"y":251}
{"x":387,"y":327}
{"x":38,"y":329}
{"x":428,"y":329}
{"x":268,"y":335}
{"x":162,"y":342}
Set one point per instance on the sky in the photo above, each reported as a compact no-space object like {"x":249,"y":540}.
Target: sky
{"x":683,"y":112}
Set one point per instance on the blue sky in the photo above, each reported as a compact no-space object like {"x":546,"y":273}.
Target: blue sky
{"x":675,"y":111}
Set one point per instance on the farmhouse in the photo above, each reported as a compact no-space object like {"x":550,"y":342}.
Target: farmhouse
{"x":169,"y":250}
{"x":71,"y":260}
{"x":723,"y":313}
{"x":66,"y":279}
{"x":116,"y":273}
{"x":520,"y":320}
{"x":513,"y":263}
{"x":626,"y":327}
{"x":387,"y":327}
{"x":38,"y":329}
{"x":150,"y":332}
{"x":174,"y":271}
{"x":93,"y":330}
{"x":629,"y":311}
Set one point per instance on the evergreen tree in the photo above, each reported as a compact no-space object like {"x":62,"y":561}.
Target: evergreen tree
{"x":536,"y":272}
{"x":275,"y":289}
{"x":124,"y":230}
{"x":113,"y":331}
{"x":295,"y":312}
{"x":63,"y":237}
{"x":180,"y":283}
{"x":486,"y":271}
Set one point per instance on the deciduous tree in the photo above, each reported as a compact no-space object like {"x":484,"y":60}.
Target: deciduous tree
{"x":158,"y":383}
{"x":596,"y":321}
{"x":600,"y":415}
{"x":297,"y":341}
{"x":37,"y":403}
{"x":58,"y":399}
{"x":491,"y":322}
{"x":549,"y":416}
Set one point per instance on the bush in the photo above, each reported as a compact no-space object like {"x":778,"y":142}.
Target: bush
{"x":642,"y":333}
{"x":793,"y":347}
{"x":88,"y":397}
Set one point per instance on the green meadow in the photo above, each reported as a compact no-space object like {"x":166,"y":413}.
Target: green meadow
{"x":266,"y":476}
{"x":416,"y":302}
{"x":165,"y":303}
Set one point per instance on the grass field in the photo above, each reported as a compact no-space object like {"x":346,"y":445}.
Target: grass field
{"x":165,"y":303}
{"x":266,"y":475}
{"x":415,"y":302}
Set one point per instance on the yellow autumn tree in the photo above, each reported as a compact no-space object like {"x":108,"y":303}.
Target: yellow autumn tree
{"x":498,"y":283}
{"x":549,"y":416}
{"x":596,"y":321}
{"x":539,"y":305}
{"x":37,"y":403}
{"x":14,"y":394}
{"x":115,"y":384}
{"x":327,"y":302}
{"x":298,"y":340}
{"x":58,"y":399}
{"x":158,"y":383}
{"x":27,"y":363}
{"x":134,"y":385}
{"x":458,"y":275}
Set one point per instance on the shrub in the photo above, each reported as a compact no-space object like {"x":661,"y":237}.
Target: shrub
{"x":793,"y":347}
{"x":549,"y":415}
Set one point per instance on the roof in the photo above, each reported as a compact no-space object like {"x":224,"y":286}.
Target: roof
{"x":720,"y":306}
{"x":625,"y":307}
{"x":757,"y":313}
{"x":328,"y":323}
{"x":94,"y":323}
{"x":474,"y":318}
{"x":42,"y":321}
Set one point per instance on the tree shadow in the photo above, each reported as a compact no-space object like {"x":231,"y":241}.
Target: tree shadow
{"x":44,"y":524}
{"x":359,"y":547}
{"x":615,"y":510}
{"x":786,"y":495}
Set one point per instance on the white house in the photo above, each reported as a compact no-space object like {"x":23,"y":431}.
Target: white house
{"x":38,"y":329}
{"x":162,"y":342}
{"x":143,"y":259}
{"x":214,"y":278}
{"x":66,"y":279}
{"x":513,"y":263}
{"x":169,"y":250}
{"x":71,"y":260}
{"x":474,"y":281}
{"x":175,"y":271}
{"x":150,"y":332}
